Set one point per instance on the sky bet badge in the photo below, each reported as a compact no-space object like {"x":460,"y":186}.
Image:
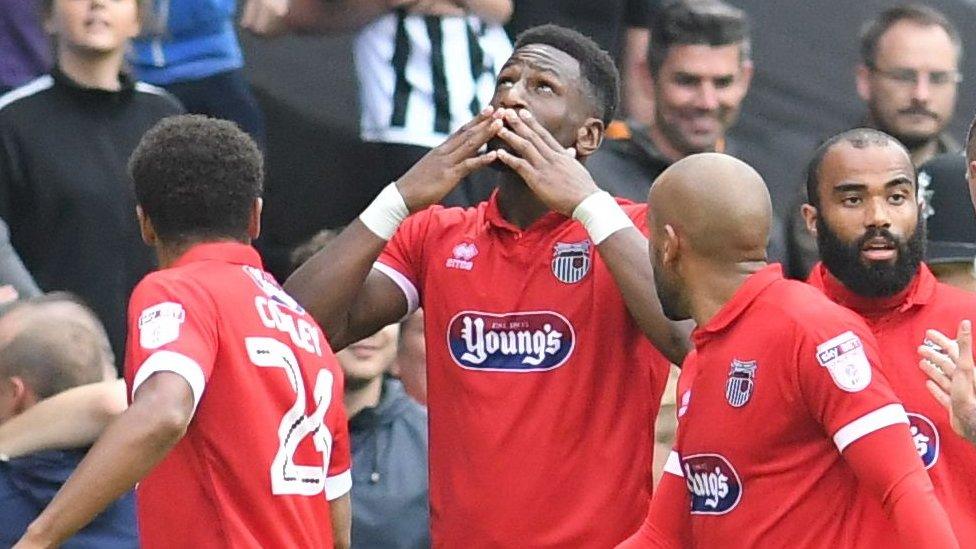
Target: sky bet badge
{"x":571,"y":261}
{"x":738,"y":389}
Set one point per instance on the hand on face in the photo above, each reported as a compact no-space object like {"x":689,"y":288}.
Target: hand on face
{"x":440,"y":170}
{"x":951,"y":377}
{"x":549,"y":169}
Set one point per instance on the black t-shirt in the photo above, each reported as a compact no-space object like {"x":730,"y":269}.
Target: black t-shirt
{"x":604,"y":22}
{"x":65,"y":190}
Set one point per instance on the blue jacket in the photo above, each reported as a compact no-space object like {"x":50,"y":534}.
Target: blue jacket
{"x":186,"y":40}
{"x":389,"y":473}
{"x":29,"y":483}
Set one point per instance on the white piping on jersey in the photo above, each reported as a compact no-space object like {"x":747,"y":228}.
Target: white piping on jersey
{"x":407,"y":287}
{"x":892,"y":414}
{"x":37,"y":85}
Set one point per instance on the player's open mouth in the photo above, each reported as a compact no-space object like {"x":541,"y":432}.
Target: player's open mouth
{"x":879,"y":249}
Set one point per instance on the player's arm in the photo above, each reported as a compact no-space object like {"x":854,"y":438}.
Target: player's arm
{"x":886,"y":463}
{"x":340,"y":511}
{"x":70,"y":419}
{"x":953,"y":377}
{"x":667,"y":524}
{"x":338,"y":286}
{"x":131,"y":446}
{"x":563,"y":184}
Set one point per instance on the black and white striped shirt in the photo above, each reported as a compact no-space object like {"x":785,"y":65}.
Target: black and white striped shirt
{"x":422,"y":77}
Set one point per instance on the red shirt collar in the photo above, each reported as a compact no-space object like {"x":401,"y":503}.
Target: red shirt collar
{"x":228,"y":252}
{"x":494,"y":217}
{"x":743,"y":297}
{"x":919,"y":292}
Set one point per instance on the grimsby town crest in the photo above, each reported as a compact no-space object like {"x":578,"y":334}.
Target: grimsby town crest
{"x":738,"y":389}
{"x":571,"y":261}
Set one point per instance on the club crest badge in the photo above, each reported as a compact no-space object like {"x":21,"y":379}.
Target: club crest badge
{"x":571,"y":261}
{"x":741,"y":383}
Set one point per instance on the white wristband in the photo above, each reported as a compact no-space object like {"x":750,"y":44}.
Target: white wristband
{"x":385,"y":213}
{"x":601,"y":216}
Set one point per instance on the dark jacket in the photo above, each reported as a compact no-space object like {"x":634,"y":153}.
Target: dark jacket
{"x":389,"y":473}
{"x":28,"y":484}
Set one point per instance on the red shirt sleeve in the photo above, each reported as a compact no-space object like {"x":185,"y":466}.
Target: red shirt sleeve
{"x":839,"y":380}
{"x":667,"y":524}
{"x":402,"y":258}
{"x":172,"y":327}
{"x":887,"y":465}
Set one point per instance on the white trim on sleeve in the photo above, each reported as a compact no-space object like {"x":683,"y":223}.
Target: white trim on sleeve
{"x":673,"y":464}
{"x":179,"y":364}
{"x":885,"y":416}
{"x":339,"y":485}
{"x":407,"y":287}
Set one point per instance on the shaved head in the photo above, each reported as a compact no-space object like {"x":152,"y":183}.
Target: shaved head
{"x":710,"y":210}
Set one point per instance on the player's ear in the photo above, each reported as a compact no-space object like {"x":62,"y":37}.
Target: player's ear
{"x":671,"y":249}
{"x":589,"y":137}
{"x":810,"y":215}
{"x":254,"y":222}
{"x":146,"y":228}
{"x":862,"y":77}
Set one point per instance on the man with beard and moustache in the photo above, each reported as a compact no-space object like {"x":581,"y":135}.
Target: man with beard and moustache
{"x":908,"y":78}
{"x":542,"y":385}
{"x":870,"y":230}
{"x":787,"y":415}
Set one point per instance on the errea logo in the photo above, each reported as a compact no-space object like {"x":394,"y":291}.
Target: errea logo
{"x":462,"y":254}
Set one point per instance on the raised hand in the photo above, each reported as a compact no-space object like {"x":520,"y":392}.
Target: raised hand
{"x":265,"y":17}
{"x":548,"y":168}
{"x":440,"y":170}
{"x":951,"y":377}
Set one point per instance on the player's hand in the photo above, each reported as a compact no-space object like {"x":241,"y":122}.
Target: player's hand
{"x":440,"y":170}
{"x":951,"y":377}
{"x":548,"y":168}
{"x":265,"y":17}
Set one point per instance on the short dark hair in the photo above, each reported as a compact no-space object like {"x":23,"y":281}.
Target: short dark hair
{"x":596,"y":66}
{"x":46,"y":7}
{"x":196,"y":177}
{"x":51,"y":353}
{"x":697,"y":22}
{"x":873,"y":30}
{"x":859,"y":138}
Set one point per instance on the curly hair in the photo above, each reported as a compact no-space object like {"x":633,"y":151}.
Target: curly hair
{"x":596,"y":66}
{"x":196,"y":178}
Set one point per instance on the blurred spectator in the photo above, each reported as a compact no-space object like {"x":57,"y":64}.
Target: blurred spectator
{"x":425,"y":67}
{"x":64,"y":142}
{"x":411,"y":359}
{"x":701,"y":68}
{"x":618,"y":26}
{"x":46,"y":350}
{"x":950,"y":247}
{"x":24,"y":50}
{"x":190,"y":48}
{"x":907,"y":78}
{"x":388,"y":432}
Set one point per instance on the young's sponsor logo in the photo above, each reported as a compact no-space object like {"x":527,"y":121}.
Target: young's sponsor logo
{"x":926,"y":438}
{"x":510,"y":342}
{"x":714,"y":485}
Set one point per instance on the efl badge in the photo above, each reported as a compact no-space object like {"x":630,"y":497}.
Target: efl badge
{"x":738,"y":389}
{"x":845,"y":359}
{"x":571,"y":261}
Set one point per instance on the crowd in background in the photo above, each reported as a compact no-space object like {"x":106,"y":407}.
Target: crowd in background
{"x":84,"y":80}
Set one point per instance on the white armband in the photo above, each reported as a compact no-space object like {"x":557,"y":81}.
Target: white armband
{"x":385,"y":213}
{"x":601,"y":216}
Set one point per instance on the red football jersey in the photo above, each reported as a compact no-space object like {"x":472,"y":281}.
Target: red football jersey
{"x":781,"y":382}
{"x":268,"y":443}
{"x":542,"y":390}
{"x":899,"y":324}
